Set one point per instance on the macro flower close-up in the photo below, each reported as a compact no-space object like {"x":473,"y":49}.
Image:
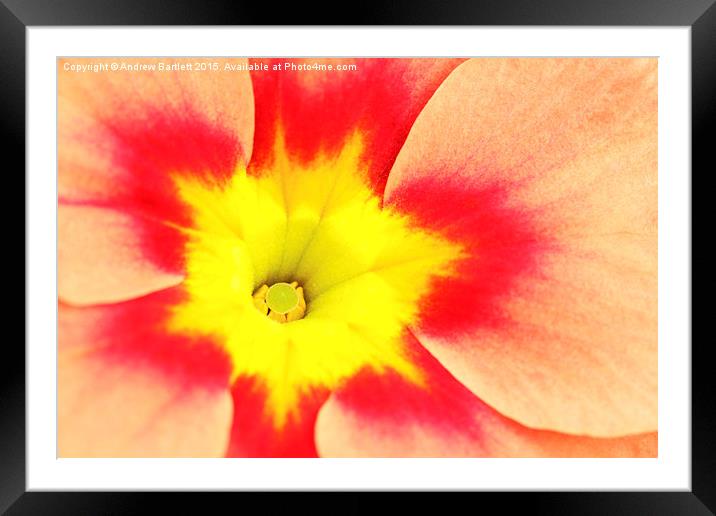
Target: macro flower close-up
{"x":357,"y":257}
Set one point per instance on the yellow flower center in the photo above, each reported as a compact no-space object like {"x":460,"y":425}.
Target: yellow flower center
{"x":363,"y":270}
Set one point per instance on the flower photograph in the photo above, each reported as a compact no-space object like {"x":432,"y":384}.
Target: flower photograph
{"x":357,"y":257}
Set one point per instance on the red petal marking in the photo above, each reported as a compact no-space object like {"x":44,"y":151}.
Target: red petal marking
{"x":318,"y":110}
{"x":442,"y":401}
{"x":253,"y":433}
{"x":502,"y":244}
{"x":164,"y":143}
{"x":134,"y":332}
{"x":148,"y":152}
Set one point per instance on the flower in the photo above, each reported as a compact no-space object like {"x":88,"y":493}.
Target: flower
{"x":365,"y":257}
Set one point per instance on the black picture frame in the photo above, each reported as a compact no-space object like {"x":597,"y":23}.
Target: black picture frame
{"x":17,"y":15}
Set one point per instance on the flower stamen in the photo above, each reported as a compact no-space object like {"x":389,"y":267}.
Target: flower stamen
{"x":282,"y":302}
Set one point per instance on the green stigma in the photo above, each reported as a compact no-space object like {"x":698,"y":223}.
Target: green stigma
{"x":281,"y":298}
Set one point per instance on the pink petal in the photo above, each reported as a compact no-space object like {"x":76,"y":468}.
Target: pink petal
{"x":384,"y":415}
{"x":101,"y":259}
{"x":545,"y":170}
{"x":126,"y":388}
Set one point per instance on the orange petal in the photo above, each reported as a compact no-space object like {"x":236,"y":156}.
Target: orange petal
{"x":126,"y":389}
{"x":384,"y":416}
{"x":121,"y":133}
{"x":545,"y":170}
{"x":100,"y":257}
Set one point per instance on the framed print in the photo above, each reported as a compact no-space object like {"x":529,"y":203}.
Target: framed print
{"x":327,"y":258}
